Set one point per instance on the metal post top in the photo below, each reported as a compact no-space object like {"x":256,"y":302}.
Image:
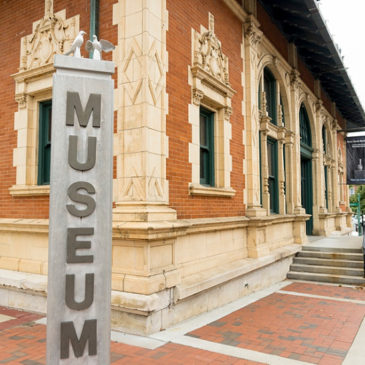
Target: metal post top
{"x":83,"y":64}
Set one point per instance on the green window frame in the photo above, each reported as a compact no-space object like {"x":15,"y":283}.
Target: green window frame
{"x":44,"y":142}
{"x":207,"y":173}
{"x":272,"y":159}
{"x":270,"y":91}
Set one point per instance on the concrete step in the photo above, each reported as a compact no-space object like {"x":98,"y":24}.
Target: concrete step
{"x":331,"y":249}
{"x":332,"y":255}
{"x":331,"y":270}
{"x":327,"y":262}
{"x":325,"y":278}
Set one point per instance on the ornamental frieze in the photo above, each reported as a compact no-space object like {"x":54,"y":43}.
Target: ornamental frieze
{"x":208,"y":54}
{"x":53,"y":34}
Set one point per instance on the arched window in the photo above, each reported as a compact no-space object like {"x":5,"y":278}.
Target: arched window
{"x":306,"y":166}
{"x":270,"y":91}
{"x":305,"y":131}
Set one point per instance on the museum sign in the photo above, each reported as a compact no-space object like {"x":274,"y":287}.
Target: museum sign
{"x":78,"y":313}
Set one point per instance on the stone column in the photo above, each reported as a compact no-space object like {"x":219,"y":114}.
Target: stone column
{"x":264,"y":127}
{"x":252,"y":119}
{"x":330,"y":185}
{"x":318,"y":191}
{"x":289,"y":188}
{"x":295,"y":166}
{"x":141,"y":146}
{"x":336,"y":196}
{"x":281,"y":172}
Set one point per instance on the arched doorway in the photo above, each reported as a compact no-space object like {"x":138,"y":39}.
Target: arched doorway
{"x":306,"y":167}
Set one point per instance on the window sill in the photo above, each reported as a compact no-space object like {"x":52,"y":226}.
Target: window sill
{"x":29,"y":190}
{"x":197,"y":189}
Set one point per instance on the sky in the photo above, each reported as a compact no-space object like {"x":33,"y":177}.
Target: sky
{"x":345,"y":22}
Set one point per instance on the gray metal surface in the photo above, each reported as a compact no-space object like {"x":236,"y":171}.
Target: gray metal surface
{"x":79,"y":278}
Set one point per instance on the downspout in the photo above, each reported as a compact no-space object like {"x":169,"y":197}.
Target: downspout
{"x":94,"y":21}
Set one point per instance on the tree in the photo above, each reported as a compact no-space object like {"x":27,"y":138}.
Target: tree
{"x":353,"y":199}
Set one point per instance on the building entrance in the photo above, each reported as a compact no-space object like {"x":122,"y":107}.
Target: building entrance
{"x":306,"y":193}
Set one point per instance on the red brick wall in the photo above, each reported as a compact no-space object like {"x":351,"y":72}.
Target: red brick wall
{"x":271,"y":32}
{"x":16,"y":21}
{"x":306,"y":75}
{"x":183,"y":16}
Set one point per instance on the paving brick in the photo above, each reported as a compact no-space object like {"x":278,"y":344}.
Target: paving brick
{"x":298,"y":327}
{"x":322,"y":335}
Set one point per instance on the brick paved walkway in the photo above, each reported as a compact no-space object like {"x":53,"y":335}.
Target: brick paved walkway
{"x":24,"y":342}
{"x":293,"y":323}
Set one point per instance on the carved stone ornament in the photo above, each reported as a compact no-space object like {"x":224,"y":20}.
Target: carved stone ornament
{"x":52,"y":34}
{"x":197,"y":96}
{"x":22,"y":101}
{"x":263,"y":110}
{"x":252,"y":32}
{"x":208,"y":55}
{"x":319,"y":105}
{"x":227,"y":112}
{"x":294,"y":78}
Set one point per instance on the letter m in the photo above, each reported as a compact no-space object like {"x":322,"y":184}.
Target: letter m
{"x":74,"y":103}
{"x":68,"y":334}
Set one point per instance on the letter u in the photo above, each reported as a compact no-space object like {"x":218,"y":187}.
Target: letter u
{"x":70,"y":292}
{"x":72,"y":154}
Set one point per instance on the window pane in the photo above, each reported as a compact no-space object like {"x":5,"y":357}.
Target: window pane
{"x":49,"y":117}
{"x":206,"y":147}
{"x":270,"y":158}
{"x":203,"y":130}
{"x":44,"y":148}
{"x":203,"y":165}
{"x":268,"y":96}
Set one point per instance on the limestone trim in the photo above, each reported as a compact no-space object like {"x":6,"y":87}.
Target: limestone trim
{"x":210,"y":191}
{"x":24,"y":225}
{"x":141,"y":101}
{"x":210,"y":88}
{"x":29,"y":190}
{"x":150,"y":231}
{"x":53,"y":34}
{"x":196,"y":283}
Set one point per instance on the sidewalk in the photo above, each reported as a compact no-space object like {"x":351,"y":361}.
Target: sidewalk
{"x":288,"y":323}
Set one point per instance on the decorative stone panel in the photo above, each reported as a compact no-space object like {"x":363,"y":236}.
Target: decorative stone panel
{"x":53,"y":34}
{"x":210,"y":87}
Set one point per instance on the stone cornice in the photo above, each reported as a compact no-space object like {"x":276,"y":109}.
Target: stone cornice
{"x":33,"y":73}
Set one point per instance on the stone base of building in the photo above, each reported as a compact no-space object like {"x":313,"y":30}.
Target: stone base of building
{"x":329,"y":223}
{"x":146,"y":314}
{"x":163,"y":271}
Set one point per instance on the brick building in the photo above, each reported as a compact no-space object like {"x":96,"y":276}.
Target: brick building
{"x":230,"y":118}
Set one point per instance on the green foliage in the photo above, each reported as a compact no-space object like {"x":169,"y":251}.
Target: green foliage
{"x":353,"y":199}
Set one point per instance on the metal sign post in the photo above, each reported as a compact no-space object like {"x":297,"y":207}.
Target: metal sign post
{"x":79,"y":278}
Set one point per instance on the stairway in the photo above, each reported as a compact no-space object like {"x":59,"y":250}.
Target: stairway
{"x":329,"y":265}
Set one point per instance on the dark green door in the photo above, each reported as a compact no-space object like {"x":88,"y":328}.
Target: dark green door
{"x":307,"y":196}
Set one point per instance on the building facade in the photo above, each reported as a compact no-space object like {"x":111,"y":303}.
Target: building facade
{"x":229,"y":147}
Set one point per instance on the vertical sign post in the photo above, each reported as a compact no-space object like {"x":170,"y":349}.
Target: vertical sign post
{"x":80,"y":229}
